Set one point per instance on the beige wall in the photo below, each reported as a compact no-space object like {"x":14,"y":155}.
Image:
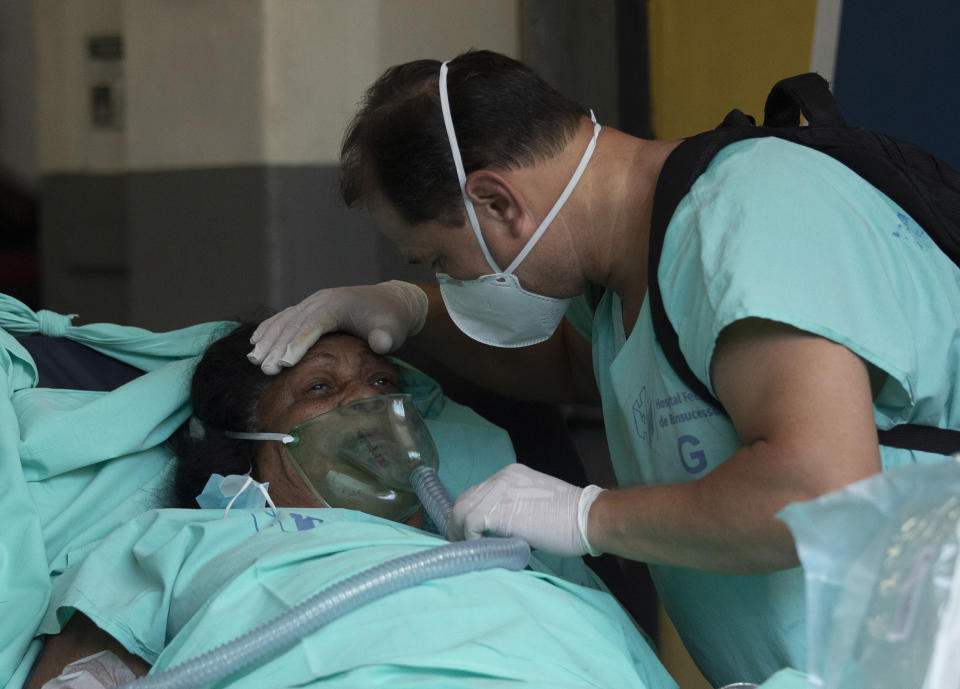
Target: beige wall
{"x":440,"y":29}
{"x":318,"y":57}
{"x":224,"y":173}
{"x":66,"y":141}
{"x":195,"y":82}
{"x":214,"y":83}
{"x":321,"y":55}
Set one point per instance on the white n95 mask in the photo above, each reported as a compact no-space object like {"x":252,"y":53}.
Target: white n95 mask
{"x":494,"y":309}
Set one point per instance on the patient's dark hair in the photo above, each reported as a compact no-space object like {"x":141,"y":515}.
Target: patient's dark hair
{"x":224,"y":394}
{"x":505,"y":117}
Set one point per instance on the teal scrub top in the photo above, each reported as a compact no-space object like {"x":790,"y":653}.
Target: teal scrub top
{"x":777,"y":231}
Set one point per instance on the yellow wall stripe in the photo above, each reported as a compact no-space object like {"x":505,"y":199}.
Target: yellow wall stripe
{"x":710,"y":56}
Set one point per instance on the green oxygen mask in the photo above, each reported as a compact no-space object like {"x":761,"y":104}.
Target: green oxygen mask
{"x":360,"y":456}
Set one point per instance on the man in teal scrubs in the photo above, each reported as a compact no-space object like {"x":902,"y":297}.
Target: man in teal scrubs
{"x":809,"y":304}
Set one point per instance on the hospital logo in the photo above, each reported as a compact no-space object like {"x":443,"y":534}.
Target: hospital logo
{"x":643,"y":416}
{"x":270,"y":519}
{"x":909,"y":231}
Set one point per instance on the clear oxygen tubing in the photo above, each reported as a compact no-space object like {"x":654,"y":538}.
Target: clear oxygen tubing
{"x":351,"y":593}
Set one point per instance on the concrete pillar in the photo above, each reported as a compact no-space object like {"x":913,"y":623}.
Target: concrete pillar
{"x":198,"y":203}
{"x":82,"y":200}
{"x":17,"y":156}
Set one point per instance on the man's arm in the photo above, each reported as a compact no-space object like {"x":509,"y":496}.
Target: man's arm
{"x":78,"y":639}
{"x":802,"y":406}
{"x":557,"y":370}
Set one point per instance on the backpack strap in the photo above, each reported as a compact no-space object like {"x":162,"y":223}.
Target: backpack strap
{"x":805,"y":93}
{"x":911,"y":436}
{"x":682,"y":168}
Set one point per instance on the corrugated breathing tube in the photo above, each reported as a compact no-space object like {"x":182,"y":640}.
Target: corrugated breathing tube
{"x":351,"y":593}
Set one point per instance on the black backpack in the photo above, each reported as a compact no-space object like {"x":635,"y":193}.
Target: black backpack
{"x":926,"y":188}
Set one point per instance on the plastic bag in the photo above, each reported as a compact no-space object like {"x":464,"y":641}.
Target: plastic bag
{"x":882,"y":580}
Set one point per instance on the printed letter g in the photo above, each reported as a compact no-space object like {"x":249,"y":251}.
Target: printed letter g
{"x":695,"y":461}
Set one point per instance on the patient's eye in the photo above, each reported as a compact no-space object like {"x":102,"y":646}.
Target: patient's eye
{"x":319,"y":386}
{"x":384,"y":381}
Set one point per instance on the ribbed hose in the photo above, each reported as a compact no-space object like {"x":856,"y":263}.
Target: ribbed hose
{"x":434,"y":497}
{"x":351,"y":593}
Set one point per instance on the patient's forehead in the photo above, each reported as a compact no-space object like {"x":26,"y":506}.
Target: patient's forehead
{"x":340,"y":348}
{"x":345,"y":355}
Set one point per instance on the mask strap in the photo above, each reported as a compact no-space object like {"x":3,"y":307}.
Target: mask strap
{"x":458,"y":163}
{"x":462,"y":179}
{"x":246,"y":483}
{"x":584,"y":159}
{"x":284,"y":438}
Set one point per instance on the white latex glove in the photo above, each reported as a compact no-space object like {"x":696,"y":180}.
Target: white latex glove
{"x":384,"y":315}
{"x":548,"y":513}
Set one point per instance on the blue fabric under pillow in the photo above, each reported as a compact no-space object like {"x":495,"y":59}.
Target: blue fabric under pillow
{"x":63,"y":363}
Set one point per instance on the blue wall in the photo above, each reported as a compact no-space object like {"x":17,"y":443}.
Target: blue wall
{"x":898,"y":71}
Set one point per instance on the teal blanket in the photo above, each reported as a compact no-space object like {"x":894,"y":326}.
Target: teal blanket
{"x":183,"y":582}
{"x":88,"y":473}
{"x":75,"y":465}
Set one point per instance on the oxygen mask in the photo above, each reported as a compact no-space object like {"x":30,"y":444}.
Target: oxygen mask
{"x":360,"y":456}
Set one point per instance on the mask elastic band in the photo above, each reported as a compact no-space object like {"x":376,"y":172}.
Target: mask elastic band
{"x":284,"y":438}
{"x":246,"y":483}
{"x":458,"y":163}
{"x":462,"y":178}
{"x":584,"y":159}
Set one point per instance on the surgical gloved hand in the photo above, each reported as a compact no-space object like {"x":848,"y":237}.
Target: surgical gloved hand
{"x":548,"y":513}
{"x":384,"y":315}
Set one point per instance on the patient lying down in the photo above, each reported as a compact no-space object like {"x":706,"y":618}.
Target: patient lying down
{"x":229,"y":394}
{"x":187,"y":581}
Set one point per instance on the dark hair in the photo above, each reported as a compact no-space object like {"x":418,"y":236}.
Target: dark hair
{"x":505,"y":117}
{"x":224,"y":394}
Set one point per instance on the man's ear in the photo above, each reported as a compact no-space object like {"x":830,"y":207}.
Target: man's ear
{"x":496,"y":198}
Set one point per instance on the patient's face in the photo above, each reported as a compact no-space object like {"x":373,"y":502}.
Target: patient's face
{"x":339,"y":369}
